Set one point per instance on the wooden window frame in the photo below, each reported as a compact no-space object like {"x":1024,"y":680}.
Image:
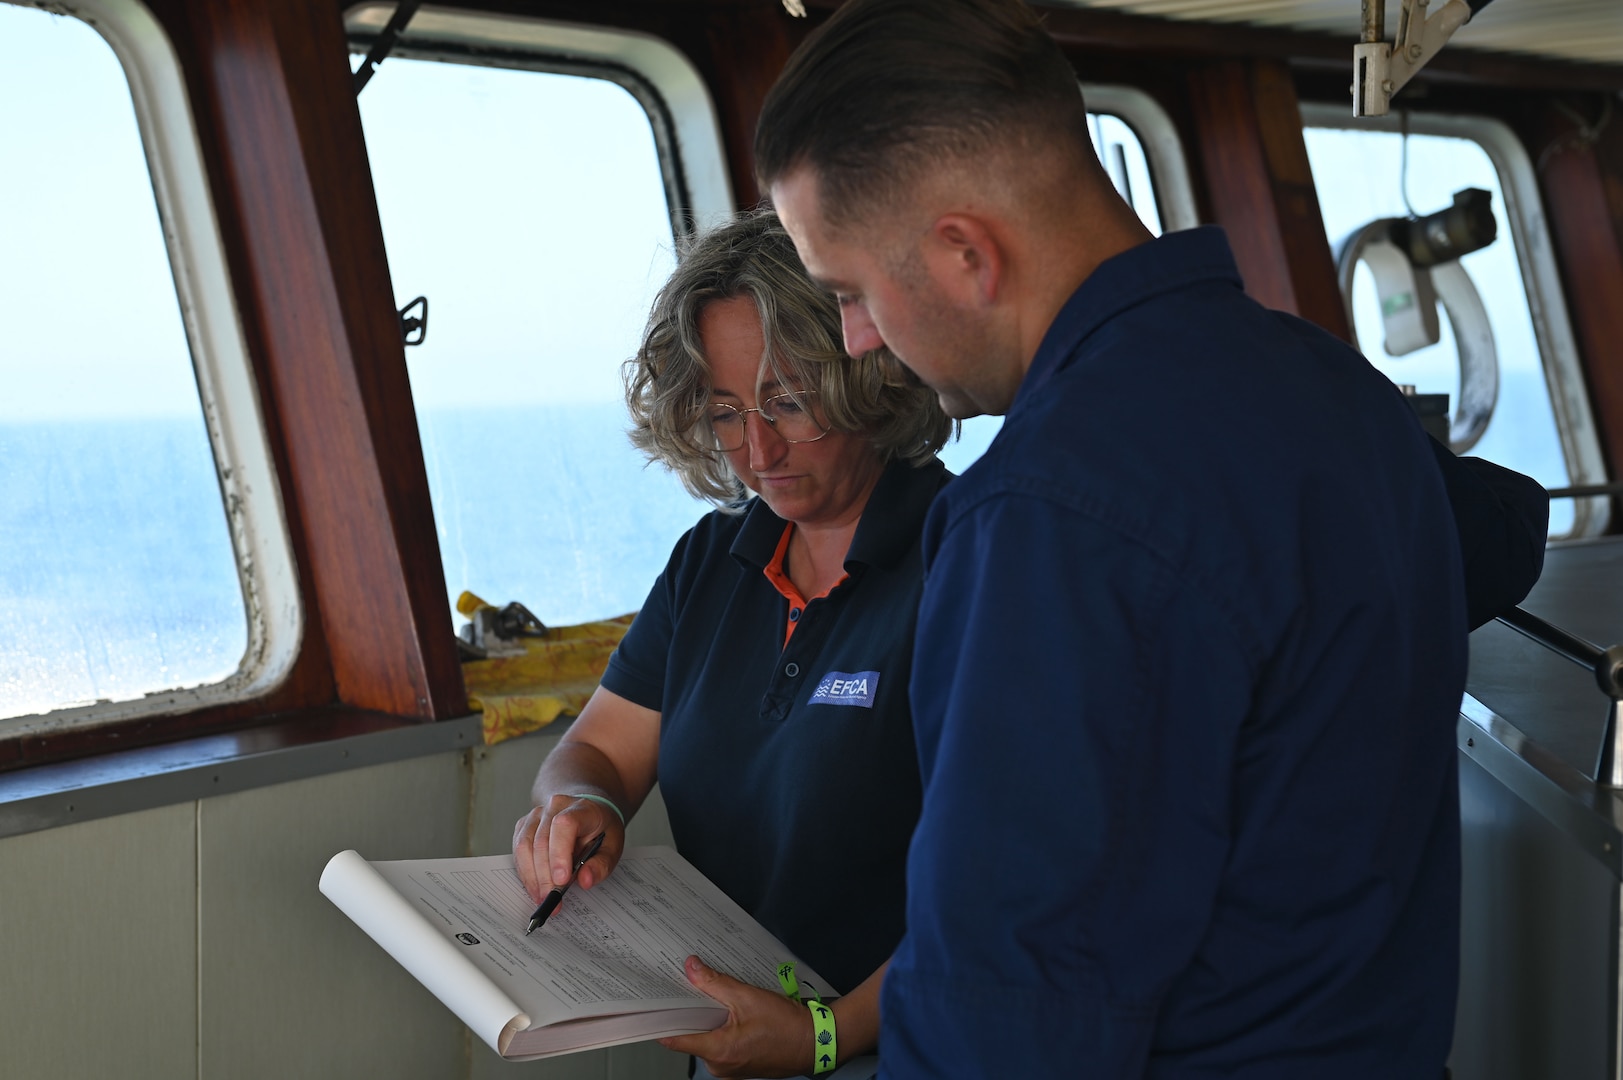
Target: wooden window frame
{"x":284,"y":159}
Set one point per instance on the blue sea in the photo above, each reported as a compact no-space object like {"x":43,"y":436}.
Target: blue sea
{"x":116,"y":571}
{"x":117,"y":576}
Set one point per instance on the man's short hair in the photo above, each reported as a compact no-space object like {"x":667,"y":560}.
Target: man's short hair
{"x":887,"y":90}
{"x":668,"y":382}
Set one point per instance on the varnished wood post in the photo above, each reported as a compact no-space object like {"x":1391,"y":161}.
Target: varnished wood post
{"x":1259,"y":187}
{"x":1581,"y":180}
{"x":749,"y":47}
{"x":289,"y":138}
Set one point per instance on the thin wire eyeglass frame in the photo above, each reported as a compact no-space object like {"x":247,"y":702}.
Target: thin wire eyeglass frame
{"x":805,"y":401}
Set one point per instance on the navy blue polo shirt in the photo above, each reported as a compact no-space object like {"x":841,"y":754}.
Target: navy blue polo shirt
{"x":1190,"y":657}
{"x":789,"y":771}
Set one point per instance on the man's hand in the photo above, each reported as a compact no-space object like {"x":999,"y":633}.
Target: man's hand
{"x":765,"y":1035}
{"x":545,"y":842}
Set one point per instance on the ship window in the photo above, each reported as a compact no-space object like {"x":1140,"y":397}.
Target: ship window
{"x":120,"y":583}
{"x":1138,"y":145}
{"x":535,"y":210}
{"x":1521,"y":380}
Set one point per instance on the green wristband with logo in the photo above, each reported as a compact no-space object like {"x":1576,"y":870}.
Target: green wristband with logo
{"x":791,"y":985}
{"x":825,"y":1047}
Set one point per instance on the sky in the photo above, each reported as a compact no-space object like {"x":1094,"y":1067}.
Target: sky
{"x":530,"y":210}
{"x":92,"y":324}
{"x":528,"y":207}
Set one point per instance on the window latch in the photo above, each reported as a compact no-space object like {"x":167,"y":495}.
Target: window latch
{"x":385,"y":42}
{"x":414,"y":328}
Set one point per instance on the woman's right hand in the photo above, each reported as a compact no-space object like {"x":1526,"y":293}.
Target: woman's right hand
{"x":611,"y":750}
{"x":548,"y":839}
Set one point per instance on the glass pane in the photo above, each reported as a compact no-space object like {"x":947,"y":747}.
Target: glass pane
{"x":529,"y":207}
{"x":1362,"y":176}
{"x":118,"y":577}
{"x":1123,"y":156}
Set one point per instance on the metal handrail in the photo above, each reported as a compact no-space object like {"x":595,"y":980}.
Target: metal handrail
{"x":1585,"y":491}
{"x":1605,"y":664}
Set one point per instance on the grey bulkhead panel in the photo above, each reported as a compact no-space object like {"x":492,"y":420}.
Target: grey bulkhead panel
{"x":186,"y":937}
{"x":1541,"y":900}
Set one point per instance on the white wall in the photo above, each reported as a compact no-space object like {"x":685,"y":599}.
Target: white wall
{"x":190,"y":940}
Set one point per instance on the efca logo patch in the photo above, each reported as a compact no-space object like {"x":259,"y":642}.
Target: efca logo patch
{"x":844,"y":688}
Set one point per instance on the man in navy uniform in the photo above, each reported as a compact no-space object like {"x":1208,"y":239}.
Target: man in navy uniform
{"x":1193,"y":637}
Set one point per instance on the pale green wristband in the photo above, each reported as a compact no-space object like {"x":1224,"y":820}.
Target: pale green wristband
{"x":601,"y":799}
{"x":825,"y":1048}
{"x":791,"y":985}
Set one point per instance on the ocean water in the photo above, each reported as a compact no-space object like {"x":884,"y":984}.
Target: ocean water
{"x":117,"y":576}
{"x":552,"y":506}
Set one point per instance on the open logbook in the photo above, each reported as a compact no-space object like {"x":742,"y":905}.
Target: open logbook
{"x":605,"y":969}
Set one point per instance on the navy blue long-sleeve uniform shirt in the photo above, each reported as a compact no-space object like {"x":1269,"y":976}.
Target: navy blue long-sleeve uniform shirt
{"x":1187,"y":669}
{"x":1503,"y":520}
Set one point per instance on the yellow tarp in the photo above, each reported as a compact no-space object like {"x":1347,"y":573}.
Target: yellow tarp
{"x":554,"y":677}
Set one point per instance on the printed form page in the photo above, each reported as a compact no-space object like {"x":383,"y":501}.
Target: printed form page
{"x":618,"y":947}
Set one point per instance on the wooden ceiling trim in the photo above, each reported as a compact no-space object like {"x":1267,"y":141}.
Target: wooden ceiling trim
{"x":1120,"y":31}
{"x":1559,"y":30}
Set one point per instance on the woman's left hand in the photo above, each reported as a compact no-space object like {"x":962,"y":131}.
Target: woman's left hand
{"x":765,"y":1035}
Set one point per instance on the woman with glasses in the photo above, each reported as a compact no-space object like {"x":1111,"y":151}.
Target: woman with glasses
{"x":763,"y":684}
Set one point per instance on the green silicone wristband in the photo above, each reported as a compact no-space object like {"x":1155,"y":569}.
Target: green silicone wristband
{"x":825,"y":1048}
{"x":601,"y":799}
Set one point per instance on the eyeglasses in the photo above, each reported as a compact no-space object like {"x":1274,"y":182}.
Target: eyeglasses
{"x":792,"y":416}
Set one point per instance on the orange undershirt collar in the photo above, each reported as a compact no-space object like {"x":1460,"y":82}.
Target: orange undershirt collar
{"x":780,"y":580}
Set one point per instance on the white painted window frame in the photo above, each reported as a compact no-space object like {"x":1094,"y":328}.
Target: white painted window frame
{"x":1541,"y":279}
{"x":1163,"y":151}
{"x":231,"y":410}
{"x":661,"y":78}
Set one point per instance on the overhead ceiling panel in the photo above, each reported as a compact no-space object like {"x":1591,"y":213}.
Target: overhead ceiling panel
{"x":1582,"y":30}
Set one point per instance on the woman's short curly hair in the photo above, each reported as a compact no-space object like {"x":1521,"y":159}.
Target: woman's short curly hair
{"x":668,"y":382}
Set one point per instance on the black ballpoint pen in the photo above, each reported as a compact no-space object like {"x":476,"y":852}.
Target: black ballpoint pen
{"x":550,"y":904}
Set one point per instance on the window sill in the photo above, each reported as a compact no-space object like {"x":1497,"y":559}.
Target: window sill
{"x":308,"y":743}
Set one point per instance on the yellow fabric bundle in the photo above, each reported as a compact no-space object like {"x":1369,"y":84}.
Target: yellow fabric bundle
{"x":555,"y":676}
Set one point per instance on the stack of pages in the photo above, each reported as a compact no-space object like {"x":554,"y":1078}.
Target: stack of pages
{"x":605,"y":969}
